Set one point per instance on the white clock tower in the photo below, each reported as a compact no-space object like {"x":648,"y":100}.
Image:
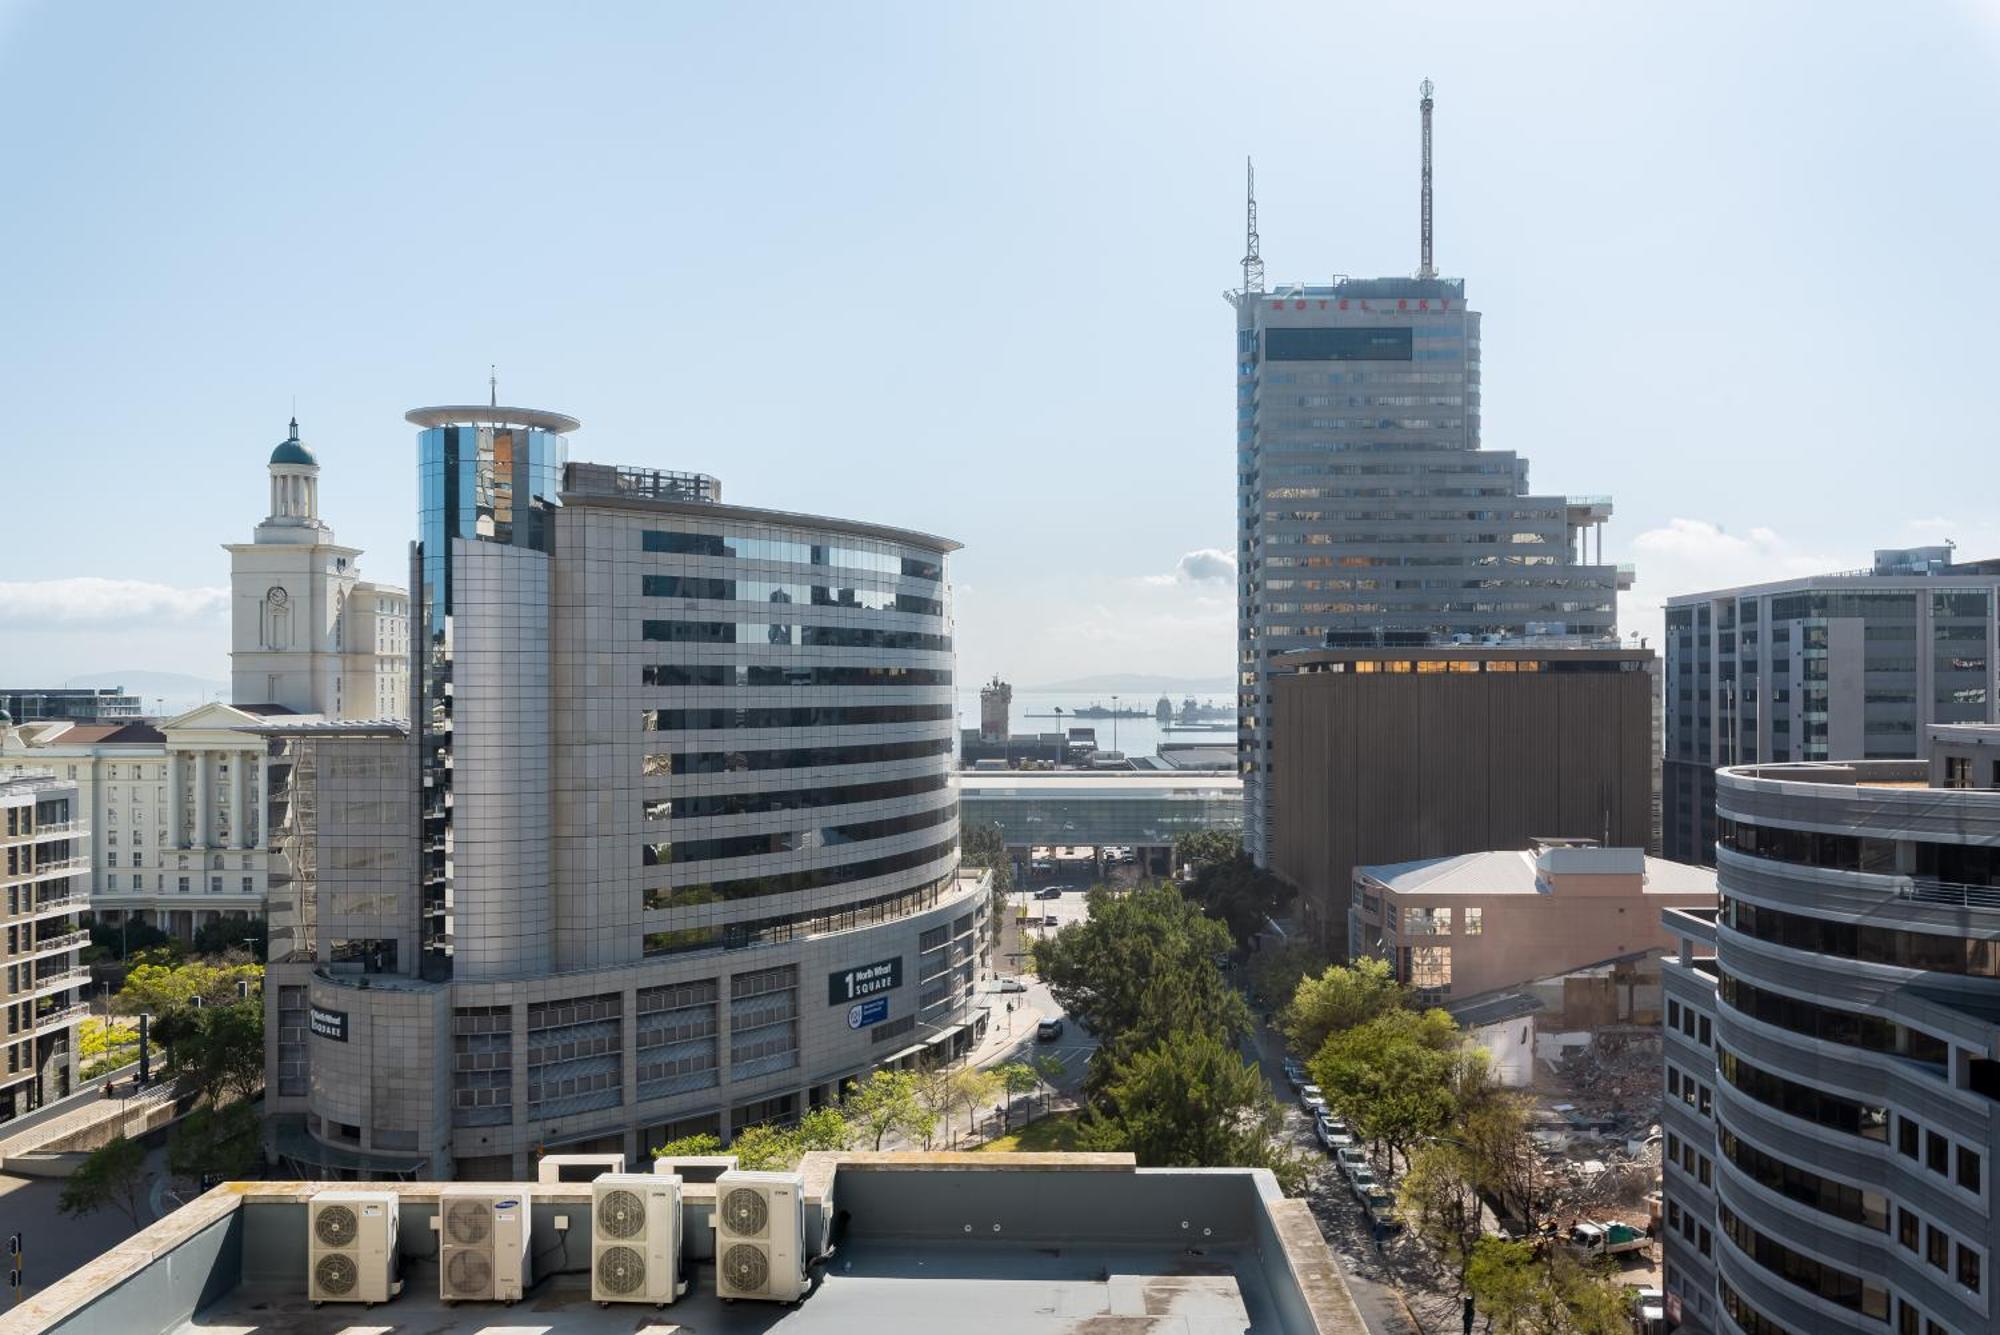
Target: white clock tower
{"x":306,"y":632}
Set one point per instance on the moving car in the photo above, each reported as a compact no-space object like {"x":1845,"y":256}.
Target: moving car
{"x":1311,"y":1099}
{"x":1011,"y":985}
{"x":1049,"y":892}
{"x":1048,"y":1031}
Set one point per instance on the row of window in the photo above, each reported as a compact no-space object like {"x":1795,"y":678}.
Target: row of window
{"x":789,"y":633}
{"x":1694,"y":1163}
{"x":882,"y":560}
{"x":1685,"y":1223}
{"x":794,"y":841}
{"x":752,"y":674}
{"x":793,"y":882}
{"x":1816,"y":1277}
{"x":791,"y":799}
{"x":1870,"y":1209}
{"x":1929,"y":860}
{"x":1831,"y":1024}
{"x":1928,"y":951}
{"x":661,"y":764}
{"x":780,"y":591}
{"x":1936,"y":1153}
{"x":1689,"y":1021}
{"x":1437,"y":921}
{"x":797,"y":716}
{"x":1937,"y":1248}
{"x":1804,"y":1101}
{"x":1683,"y":1086}
{"x":800,"y":924}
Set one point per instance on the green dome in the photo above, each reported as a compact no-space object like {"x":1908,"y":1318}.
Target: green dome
{"x":291,"y":451}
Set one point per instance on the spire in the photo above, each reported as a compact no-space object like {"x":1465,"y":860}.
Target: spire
{"x":1253,"y":259}
{"x":493,"y":385}
{"x":1425,"y":269}
{"x":295,"y":428}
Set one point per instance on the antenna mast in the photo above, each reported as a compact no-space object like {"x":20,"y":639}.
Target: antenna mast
{"x":1426,"y":269}
{"x":1253,"y":261}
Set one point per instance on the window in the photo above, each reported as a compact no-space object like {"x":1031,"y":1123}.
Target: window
{"x":1673,"y":1014}
{"x":138,"y":882}
{"x":1706,"y":1104}
{"x":184,"y":885}
{"x":1706,"y":1240}
{"x":1968,"y":1169}
{"x":1937,"y":1246}
{"x":248,"y":886}
{"x":1968,"y":1267}
{"x":1426,"y":921}
{"x":1707,"y":1171}
{"x":1674,"y":1081}
{"x":1475,"y":921}
{"x":215,"y":885}
{"x":1906,"y":1228}
{"x":1937,"y":1152}
{"x":1906,"y":1137}
{"x":1906,"y":1319}
{"x":1957,"y":772}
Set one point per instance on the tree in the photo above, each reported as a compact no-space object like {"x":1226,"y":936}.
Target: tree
{"x":984,"y":844}
{"x":823,"y":1129}
{"x":113,"y":1176}
{"x":887,"y":1101}
{"x":1395,"y":1077}
{"x":1552,"y":1296}
{"x":1049,"y":1069}
{"x":160,"y":988}
{"x":1016,"y":1079}
{"x":1228,"y":885}
{"x":216,"y":1050}
{"x":764,"y":1149}
{"x":1190,"y":1101}
{"x":249,"y":935}
{"x":215,"y":1142}
{"x":935,"y":1092}
{"x":1141,"y":968}
{"x":1275,"y":973}
{"x":1340,"y":997}
{"x":973,"y":1088}
{"x":1439,"y":1198}
{"x":700,"y":1145}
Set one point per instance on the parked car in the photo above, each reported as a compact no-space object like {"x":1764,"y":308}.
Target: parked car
{"x":1295,"y":1072}
{"x":1012,"y":985}
{"x":1048,"y":1031}
{"x":1350,"y":1157}
{"x":1332,"y":1132}
{"x":1311,"y":1099}
{"x":1051,"y":920}
{"x":1649,"y":1311}
{"x":1381,"y":1209}
{"x":1362,"y":1178}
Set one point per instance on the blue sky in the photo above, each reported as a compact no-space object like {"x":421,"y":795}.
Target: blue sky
{"x":958,"y":267}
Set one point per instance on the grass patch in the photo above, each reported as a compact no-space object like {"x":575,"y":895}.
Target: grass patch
{"x":1050,"y":1134}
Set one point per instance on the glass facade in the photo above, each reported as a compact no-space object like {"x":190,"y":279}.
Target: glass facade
{"x":480,"y":482}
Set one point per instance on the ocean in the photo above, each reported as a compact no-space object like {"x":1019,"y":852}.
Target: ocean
{"x":1133,"y":736}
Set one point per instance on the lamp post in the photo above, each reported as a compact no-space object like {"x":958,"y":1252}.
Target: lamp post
{"x":1114,"y":723}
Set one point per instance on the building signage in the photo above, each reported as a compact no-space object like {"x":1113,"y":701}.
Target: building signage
{"x":850,"y":985}
{"x":862,"y":1014}
{"x":328,"y":1024}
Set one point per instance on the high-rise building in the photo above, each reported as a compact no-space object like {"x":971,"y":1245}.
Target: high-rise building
{"x":1832,"y":1085}
{"x":1364,"y":498}
{"x":1849,"y":666}
{"x":996,"y":699}
{"x":673,"y":846}
{"x":306,"y":631}
{"x":43,"y":982}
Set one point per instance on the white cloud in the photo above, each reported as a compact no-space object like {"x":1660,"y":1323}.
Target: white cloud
{"x":1934,"y":524}
{"x":1204,"y":565}
{"x":91,"y":601}
{"x":1695,"y":555}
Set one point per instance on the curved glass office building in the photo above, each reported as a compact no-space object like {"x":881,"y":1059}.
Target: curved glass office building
{"x":1831,"y":1068}
{"x":686,"y":844}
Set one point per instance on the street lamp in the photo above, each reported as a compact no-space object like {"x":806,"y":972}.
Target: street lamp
{"x":1114,"y":723}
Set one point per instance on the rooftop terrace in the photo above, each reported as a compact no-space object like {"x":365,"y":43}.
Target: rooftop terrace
{"x":1027,"y":1244}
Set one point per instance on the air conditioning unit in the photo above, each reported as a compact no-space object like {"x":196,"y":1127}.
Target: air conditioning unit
{"x":635,"y":1239}
{"x":351,"y":1247}
{"x":760,"y":1233}
{"x":482,"y":1243}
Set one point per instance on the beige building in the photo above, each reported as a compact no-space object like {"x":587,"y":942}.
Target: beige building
{"x":1464,"y":926}
{"x":42,"y":977}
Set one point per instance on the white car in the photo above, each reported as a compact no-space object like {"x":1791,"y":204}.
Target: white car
{"x":1333,"y":1133}
{"x":1350,"y":1158}
{"x":1362,"y":1179}
{"x":1311,"y":1099}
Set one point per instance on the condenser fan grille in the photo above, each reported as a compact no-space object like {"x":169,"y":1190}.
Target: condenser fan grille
{"x":621,"y":1214}
{"x":335,"y":1226}
{"x":335,"y":1274}
{"x":621,"y":1270}
{"x":469,"y":1223}
{"x":469,"y":1272}
{"x":745,"y":1213}
{"x":747,"y":1268}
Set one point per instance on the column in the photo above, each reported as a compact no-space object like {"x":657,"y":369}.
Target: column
{"x":176,"y":776}
{"x":264,"y":796}
{"x":201,"y":787}
{"x":239,"y":826}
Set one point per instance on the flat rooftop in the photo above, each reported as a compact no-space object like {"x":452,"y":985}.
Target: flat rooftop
{"x":1147,"y":783}
{"x":1025,"y":1244}
{"x":1514,"y":872}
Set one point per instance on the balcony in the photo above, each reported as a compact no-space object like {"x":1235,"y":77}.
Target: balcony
{"x":1949,"y":893}
{"x":54,"y":828}
{"x":55,"y":945}
{"x":49,"y":908}
{"x":61,"y":981}
{"x":64,"y":865}
{"x":60,"y":1017}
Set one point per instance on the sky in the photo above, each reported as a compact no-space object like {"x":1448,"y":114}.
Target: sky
{"x":959,"y":268}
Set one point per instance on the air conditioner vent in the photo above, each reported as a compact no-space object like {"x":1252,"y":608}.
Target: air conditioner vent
{"x":469,"y":1272}
{"x":745,"y":1214}
{"x":336,"y":1274}
{"x":621,"y":1271}
{"x":335,"y":1226}
{"x":621,"y":1215}
{"x":746,"y":1267}
{"x":468,"y":1222}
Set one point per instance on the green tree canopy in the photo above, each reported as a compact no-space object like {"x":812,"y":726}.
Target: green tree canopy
{"x":887,"y":1101}
{"x":1276,"y":972}
{"x":215,"y":1142}
{"x":1339,"y":997}
{"x":112,"y":1177}
{"x":161,"y":988}
{"x":216,"y":1050}
{"x":1523,"y":1295}
{"x":1396,"y":1077}
{"x":1141,"y":969}
{"x":1227,"y":884}
{"x":697,"y":1146}
{"x":1190,"y":1101}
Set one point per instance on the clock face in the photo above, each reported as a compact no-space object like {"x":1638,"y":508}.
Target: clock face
{"x":277,"y":597}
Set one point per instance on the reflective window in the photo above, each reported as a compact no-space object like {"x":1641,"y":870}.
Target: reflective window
{"x":661,"y":764}
{"x":1815,"y":1277}
{"x":880,"y":558}
{"x":1804,"y":1101}
{"x":793,"y":841}
{"x":803,"y":716}
{"x":791,"y":633}
{"x":783,"y":883}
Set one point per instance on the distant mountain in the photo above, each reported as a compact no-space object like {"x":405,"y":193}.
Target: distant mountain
{"x":163,"y":693}
{"x":1139,"y":683}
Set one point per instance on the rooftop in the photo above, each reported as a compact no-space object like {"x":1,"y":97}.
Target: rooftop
{"x":482,"y":414}
{"x":1519,"y":872}
{"x":1144,"y":783}
{"x":1022,"y":1244}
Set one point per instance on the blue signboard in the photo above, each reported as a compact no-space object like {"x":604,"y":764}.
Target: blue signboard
{"x":865,"y":1013}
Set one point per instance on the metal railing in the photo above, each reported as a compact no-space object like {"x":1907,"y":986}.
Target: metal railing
{"x":1951,"y":893}
{"x":63,"y":904}
{"x":62,"y":1016}
{"x":54,"y":944}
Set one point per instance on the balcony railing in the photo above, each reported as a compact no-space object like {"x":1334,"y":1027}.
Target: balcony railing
{"x":1951,"y":893}
{"x":56,"y":944}
{"x":61,"y":864}
{"x":53,"y":828}
{"x":57,"y":982}
{"x":61,"y":1016}
{"x":60,"y":904}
